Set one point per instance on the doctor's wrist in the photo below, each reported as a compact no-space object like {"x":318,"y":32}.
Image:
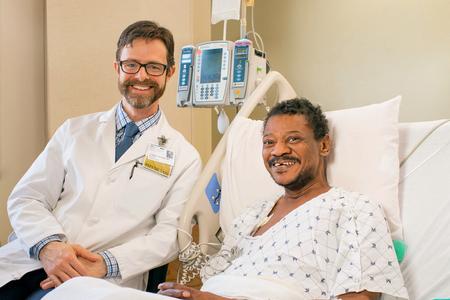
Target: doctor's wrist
{"x":112,"y":266}
{"x":35,"y":251}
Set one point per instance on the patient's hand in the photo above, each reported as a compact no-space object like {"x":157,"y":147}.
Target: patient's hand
{"x":180,"y":291}
{"x":364,"y":295}
{"x":63,"y":261}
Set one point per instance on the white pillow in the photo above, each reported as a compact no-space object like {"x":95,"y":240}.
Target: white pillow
{"x":365,"y":155}
{"x":364,"y":159}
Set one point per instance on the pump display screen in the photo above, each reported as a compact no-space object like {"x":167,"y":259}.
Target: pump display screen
{"x":211,"y":65}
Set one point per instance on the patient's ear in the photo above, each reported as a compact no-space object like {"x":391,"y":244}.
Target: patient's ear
{"x":325,"y":145}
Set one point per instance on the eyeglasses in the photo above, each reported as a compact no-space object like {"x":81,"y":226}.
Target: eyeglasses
{"x":133,"y":67}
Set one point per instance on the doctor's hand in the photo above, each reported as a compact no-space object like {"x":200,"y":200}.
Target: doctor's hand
{"x":61,"y":261}
{"x":95,"y":268}
{"x":94,"y":263}
{"x":180,"y":291}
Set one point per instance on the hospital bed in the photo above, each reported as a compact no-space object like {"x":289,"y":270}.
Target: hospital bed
{"x":421,"y":202}
{"x":423,"y":197}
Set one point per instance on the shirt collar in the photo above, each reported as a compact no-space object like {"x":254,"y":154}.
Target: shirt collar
{"x":123,"y":119}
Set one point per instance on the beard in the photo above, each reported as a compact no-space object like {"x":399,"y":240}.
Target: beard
{"x":141,"y":101}
{"x":300,"y":181}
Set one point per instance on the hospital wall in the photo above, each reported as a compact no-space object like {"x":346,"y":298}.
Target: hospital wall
{"x":22,"y":94}
{"x":348,"y":53}
{"x":56,"y":62}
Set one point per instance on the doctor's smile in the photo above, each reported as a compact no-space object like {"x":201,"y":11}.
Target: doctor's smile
{"x":141,"y":86}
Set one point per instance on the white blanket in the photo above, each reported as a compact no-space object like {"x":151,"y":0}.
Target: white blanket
{"x":89,"y":288}
{"x":224,"y":285}
{"x":251,"y":288}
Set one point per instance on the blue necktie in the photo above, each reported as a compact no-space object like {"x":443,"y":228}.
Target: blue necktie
{"x":130,"y":131}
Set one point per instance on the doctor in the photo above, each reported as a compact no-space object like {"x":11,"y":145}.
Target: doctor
{"x":104,"y":197}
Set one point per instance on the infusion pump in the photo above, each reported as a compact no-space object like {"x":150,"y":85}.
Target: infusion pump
{"x":219,"y":73}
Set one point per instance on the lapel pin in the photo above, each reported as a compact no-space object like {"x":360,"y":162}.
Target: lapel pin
{"x":162,"y":140}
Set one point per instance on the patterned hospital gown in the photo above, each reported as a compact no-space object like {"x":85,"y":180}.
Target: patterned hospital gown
{"x":336,"y":243}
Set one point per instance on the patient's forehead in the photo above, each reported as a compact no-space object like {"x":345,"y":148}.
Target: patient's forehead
{"x":285,"y":123}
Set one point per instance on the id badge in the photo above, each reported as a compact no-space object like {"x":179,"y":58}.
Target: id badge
{"x":159,"y":159}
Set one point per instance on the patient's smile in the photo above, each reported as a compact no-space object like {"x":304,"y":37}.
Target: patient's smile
{"x":283,"y":163}
{"x":280,"y":165}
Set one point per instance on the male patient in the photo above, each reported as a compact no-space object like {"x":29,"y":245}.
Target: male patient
{"x":313,"y":242}
{"x":104,"y":197}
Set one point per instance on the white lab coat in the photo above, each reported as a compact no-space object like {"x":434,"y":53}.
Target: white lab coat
{"x":75,"y":188}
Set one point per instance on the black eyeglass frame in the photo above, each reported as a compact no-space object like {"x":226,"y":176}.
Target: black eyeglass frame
{"x":142,"y":65}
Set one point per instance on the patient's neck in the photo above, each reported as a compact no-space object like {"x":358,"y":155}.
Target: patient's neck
{"x":305,"y":193}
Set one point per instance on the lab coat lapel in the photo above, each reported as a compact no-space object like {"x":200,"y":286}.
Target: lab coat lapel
{"x":150,"y":136}
{"x":107,"y":132}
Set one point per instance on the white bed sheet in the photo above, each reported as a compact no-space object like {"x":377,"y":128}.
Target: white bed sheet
{"x":425,"y":206}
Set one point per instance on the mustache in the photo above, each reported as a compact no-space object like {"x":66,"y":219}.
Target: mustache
{"x":149,"y":82}
{"x":274,"y":160}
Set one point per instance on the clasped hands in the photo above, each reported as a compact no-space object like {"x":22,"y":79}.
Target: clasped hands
{"x":62,"y":261}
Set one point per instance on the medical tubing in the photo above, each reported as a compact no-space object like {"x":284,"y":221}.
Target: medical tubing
{"x":192,"y":259}
{"x":243,"y":20}
{"x":256,"y":37}
{"x":224,"y":37}
{"x":253,"y":27}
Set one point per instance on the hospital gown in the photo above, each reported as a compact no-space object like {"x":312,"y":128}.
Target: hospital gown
{"x":333,"y":244}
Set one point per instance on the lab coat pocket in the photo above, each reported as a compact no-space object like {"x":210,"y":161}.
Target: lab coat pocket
{"x":142,"y":191}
